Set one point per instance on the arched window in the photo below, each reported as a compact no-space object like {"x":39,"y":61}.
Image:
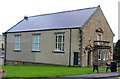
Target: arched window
{"x":99,"y":33}
{"x":99,"y":30}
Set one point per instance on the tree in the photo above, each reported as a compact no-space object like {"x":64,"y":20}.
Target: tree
{"x":117,"y":51}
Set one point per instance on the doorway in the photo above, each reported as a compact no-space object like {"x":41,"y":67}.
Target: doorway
{"x":89,"y":59}
{"x":75,"y":58}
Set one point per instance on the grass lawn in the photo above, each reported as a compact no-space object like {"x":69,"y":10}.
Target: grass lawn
{"x":46,"y":71}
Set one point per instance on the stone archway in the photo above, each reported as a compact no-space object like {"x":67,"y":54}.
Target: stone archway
{"x":88,"y":52}
{"x":89,"y":58}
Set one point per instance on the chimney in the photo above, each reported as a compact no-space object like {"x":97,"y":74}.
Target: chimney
{"x":98,"y":5}
{"x":25,"y":17}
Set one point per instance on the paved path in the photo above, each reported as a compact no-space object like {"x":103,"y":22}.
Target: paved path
{"x":110,"y":75}
{"x":98,"y":75}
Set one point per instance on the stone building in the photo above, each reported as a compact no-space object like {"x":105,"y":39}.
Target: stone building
{"x":72,"y":38}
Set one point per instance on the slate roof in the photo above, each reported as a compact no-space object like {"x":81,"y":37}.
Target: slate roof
{"x":60,"y":20}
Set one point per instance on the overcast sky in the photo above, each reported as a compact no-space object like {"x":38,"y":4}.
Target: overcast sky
{"x":12,"y":11}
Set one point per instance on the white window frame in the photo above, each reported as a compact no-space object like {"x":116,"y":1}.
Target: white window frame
{"x":36,"y":42}
{"x":17,"y":44}
{"x":59,"y":44}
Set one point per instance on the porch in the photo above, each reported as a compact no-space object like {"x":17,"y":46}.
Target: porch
{"x":101,"y":52}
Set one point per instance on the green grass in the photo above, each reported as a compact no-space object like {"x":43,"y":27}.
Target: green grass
{"x":46,"y":71}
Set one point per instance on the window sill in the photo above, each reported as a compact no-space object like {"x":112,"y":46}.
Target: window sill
{"x":58,"y":51}
{"x":17,"y":50}
{"x":35,"y":50}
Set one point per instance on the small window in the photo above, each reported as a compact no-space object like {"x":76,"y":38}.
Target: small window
{"x":17,"y":44}
{"x":59,"y":45}
{"x":36,"y":42}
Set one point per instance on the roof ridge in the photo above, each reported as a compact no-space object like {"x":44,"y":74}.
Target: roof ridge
{"x":61,"y":12}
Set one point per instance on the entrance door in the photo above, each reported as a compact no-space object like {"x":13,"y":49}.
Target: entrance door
{"x":75,"y":58}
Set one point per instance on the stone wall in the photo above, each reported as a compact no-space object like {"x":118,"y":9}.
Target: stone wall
{"x":98,"y":20}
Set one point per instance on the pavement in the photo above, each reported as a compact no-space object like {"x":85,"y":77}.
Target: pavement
{"x":102,"y":75}
{"x":97,"y":75}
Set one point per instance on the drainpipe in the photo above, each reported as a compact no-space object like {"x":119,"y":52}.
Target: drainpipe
{"x":5,"y":46}
{"x":70,"y":49}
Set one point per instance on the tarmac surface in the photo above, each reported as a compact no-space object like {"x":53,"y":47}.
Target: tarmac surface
{"x":98,"y":75}
{"x":103,"y":75}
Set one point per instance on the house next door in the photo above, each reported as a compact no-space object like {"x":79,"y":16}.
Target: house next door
{"x":75,"y":58}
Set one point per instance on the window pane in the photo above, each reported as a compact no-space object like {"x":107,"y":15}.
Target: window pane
{"x":17,"y":42}
{"x":56,"y":46}
{"x":63,"y":47}
{"x":59,"y":42}
{"x":106,"y":54}
{"x":36,"y":42}
{"x":59,"y":46}
{"x":63,"y":38}
{"x":60,"y":39}
{"x":99,"y":54}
